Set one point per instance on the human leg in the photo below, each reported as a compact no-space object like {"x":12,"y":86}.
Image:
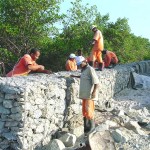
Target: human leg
{"x":92,"y":58}
{"x":88,"y":113}
{"x":85,"y":119}
{"x":100,"y":60}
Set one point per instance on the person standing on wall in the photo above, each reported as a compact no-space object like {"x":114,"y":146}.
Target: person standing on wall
{"x":88,"y":92}
{"x":98,"y":46}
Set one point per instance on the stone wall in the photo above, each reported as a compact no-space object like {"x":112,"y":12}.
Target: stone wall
{"x":31,"y":109}
{"x":34,"y":107}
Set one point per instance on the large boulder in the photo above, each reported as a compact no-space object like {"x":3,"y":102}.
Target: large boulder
{"x":101,"y":141}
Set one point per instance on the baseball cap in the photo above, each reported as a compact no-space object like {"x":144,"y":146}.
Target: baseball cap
{"x":81,"y":60}
{"x":93,"y":26}
{"x":72,"y":56}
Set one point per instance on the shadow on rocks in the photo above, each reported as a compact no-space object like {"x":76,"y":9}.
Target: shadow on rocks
{"x":86,"y":147}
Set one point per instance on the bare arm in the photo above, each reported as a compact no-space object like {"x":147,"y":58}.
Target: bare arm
{"x":35,"y":67}
{"x":93,"y":42}
{"x":39,"y":69}
{"x":75,"y":76}
{"x":45,"y":71}
{"x":94,"y":90}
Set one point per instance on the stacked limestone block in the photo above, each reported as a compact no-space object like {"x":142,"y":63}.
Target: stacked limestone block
{"x":72,"y":93}
{"x":31,"y":109}
{"x":111,"y":81}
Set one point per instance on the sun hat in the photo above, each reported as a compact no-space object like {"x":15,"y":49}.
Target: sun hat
{"x":72,"y":56}
{"x":81,"y":60}
{"x":93,"y":26}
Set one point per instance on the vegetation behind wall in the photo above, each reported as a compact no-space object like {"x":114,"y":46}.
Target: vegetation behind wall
{"x":24,"y":25}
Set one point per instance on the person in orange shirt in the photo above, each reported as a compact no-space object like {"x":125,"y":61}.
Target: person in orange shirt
{"x":26,"y":64}
{"x":98,"y":46}
{"x":71,"y":63}
{"x":110,"y":59}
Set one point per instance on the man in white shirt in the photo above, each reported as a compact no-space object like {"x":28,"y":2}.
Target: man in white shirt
{"x":79,"y":57}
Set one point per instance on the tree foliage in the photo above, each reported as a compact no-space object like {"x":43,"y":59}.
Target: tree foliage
{"x":31,"y":23}
{"x":23,"y":23}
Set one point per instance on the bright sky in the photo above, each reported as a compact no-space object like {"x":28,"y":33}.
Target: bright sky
{"x":136,"y":11}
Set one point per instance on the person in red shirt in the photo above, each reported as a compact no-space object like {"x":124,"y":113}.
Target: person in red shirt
{"x":110,"y":59}
{"x":27,"y":63}
{"x":71,"y":64}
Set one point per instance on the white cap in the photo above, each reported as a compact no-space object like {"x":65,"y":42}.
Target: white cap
{"x":93,"y":26}
{"x":72,"y":56}
{"x":81,"y":60}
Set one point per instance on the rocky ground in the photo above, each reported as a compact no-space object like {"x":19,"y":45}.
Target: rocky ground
{"x":134,"y":105}
{"x":128,"y":121}
{"x":123,"y":124}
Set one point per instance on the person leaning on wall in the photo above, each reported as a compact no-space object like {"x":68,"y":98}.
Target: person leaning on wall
{"x":28,"y":64}
{"x":110,"y":59}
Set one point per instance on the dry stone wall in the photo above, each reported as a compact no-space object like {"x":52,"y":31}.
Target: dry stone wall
{"x":34,"y":107}
{"x":31,"y":109}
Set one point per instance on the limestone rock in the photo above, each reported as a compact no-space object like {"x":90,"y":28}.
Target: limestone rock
{"x":78,"y":131}
{"x":101,"y":141}
{"x":10,"y":136}
{"x":4,"y":110}
{"x":68,"y":139}
{"x":133,"y":125}
{"x":56,"y":145}
{"x":7,"y":104}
